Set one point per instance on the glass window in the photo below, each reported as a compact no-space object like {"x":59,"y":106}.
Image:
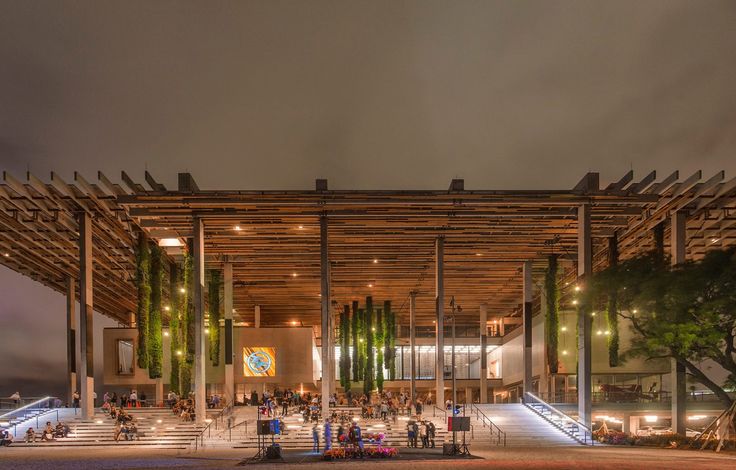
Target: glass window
{"x":125,"y":357}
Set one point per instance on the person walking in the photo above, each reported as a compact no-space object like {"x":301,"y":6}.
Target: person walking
{"x":315,"y":438}
{"x":410,"y":434}
{"x":328,"y":435}
{"x":75,"y":399}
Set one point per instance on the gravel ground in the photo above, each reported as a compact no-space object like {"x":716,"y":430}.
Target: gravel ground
{"x":619,"y":458}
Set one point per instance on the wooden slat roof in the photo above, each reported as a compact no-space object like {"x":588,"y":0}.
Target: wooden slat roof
{"x":381,"y":242}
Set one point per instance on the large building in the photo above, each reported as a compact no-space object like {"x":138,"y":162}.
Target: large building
{"x":462,"y":269}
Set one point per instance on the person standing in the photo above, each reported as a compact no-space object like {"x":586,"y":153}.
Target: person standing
{"x":315,"y":438}
{"x":75,"y":399}
{"x":431,"y":430}
{"x":410,"y":434}
{"x":133,"y":398}
{"x":328,"y":435}
{"x":414,"y":434}
{"x":423,"y":434}
{"x":16,"y":398}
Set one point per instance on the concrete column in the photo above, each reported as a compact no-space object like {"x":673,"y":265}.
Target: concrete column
{"x":527,"y":325}
{"x":413,"y":344}
{"x":325,"y":296}
{"x":440,"y":322}
{"x":86,"y":346}
{"x":483,"y":356}
{"x":199,"y":340}
{"x":229,"y":356}
{"x":131,"y":319}
{"x":159,"y":397}
{"x":71,"y":336}
{"x":678,"y":244}
{"x":257,"y":316}
{"x":468,"y":395}
{"x":585,"y":324}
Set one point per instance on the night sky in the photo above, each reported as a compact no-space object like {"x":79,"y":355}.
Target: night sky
{"x":371,"y":94}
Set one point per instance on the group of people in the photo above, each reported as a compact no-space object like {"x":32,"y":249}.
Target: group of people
{"x":346,"y":435}
{"x":48,"y":433}
{"x":423,"y":431}
{"x":184,"y":409}
{"x":126,"y":400}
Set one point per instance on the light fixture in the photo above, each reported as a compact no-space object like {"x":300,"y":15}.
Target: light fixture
{"x":182,"y":290}
{"x":234,"y":310}
{"x":650,"y":419}
{"x":606,"y":332}
{"x":714,"y":240}
{"x":564,"y":328}
{"x":577,"y":288}
{"x":478,"y":254}
{"x":237,"y":228}
{"x":575,"y":301}
{"x":301,"y":227}
{"x":370,"y":285}
{"x":178,"y":353}
{"x":634,"y":311}
{"x":361,"y":340}
{"x":167,"y":308}
{"x":373,"y":329}
{"x":170,"y":242}
{"x":7,"y":255}
{"x":293,"y":323}
{"x":293,"y":274}
{"x":592,"y":314}
{"x":166,"y":333}
{"x":599,"y":332}
{"x":206,"y":331}
{"x":564,"y":353}
{"x":375,"y":260}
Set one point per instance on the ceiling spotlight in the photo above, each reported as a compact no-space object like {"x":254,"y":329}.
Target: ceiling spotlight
{"x":564,"y":353}
{"x":370,"y":285}
{"x":375,"y":260}
{"x":7,"y":255}
{"x":206,"y":331}
{"x":634,"y":311}
{"x":577,"y":288}
{"x":178,"y":353}
{"x":714,"y":240}
{"x":564,"y":328}
{"x":606,"y":332}
{"x":166,"y":333}
{"x":167,"y":308}
{"x":170,"y":242}
{"x":293,"y":323}
{"x":182,"y":290}
{"x":301,"y":227}
{"x":592,"y":314}
{"x":599,"y":332}
{"x":293,"y":274}
{"x":478,"y":254}
{"x":237,"y":228}
{"x":575,"y":302}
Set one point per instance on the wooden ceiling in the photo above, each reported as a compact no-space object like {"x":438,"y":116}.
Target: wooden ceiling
{"x":381,"y":243}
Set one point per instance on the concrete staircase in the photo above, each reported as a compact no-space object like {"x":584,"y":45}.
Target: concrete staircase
{"x":157,"y":428}
{"x":523,"y":427}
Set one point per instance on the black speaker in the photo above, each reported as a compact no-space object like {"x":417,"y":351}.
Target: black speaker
{"x":273,"y":452}
{"x":458,"y":424}
{"x":264,"y":427}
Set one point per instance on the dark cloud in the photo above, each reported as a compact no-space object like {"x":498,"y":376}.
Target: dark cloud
{"x":403,"y":94}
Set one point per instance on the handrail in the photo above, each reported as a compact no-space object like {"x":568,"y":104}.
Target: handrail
{"x":586,"y":431}
{"x":434,"y":412}
{"x":29,"y":406}
{"x":208,"y":428}
{"x":501,"y":435}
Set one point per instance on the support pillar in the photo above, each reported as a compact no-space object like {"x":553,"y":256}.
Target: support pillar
{"x":325,"y":296}
{"x":86,"y":312}
{"x":527,"y":325}
{"x":257,"y":316}
{"x":413,"y":344}
{"x":159,"y":396}
{"x":229,"y":356}
{"x":440,"y":319}
{"x":199,"y":342}
{"x":483,"y":356}
{"x":585,"y":324}
{"x":71,"y":337}
{"x":468,"y":395}
{"x":678,"y":244}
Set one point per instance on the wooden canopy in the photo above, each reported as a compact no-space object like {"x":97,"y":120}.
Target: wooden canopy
{"x":381,"y":243}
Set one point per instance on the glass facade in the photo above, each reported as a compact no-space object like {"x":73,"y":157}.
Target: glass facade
{"x":467,"y":362}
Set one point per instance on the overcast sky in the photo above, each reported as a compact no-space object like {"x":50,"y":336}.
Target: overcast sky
{"x":271,"y":95}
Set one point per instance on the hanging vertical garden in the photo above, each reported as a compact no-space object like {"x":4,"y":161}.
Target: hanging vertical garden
{"x":187,"y":323}
{"x":174,"y":329}
{"x":144,"y":298}
{"x":155,"y":323}
{"x":345,"y":360}
{"x":379,"y":340}
{"x":552,"y":320}
{"x":214,"y":311}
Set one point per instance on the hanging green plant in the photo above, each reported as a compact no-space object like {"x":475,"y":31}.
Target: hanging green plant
{"x":214,"y":311}
{"x":369,"y":374}
{"x":552,"y":320}
{"x":612,"y":305}
{"x":155,"y":323}
{"x":144,"y":298}
{"x":390,"y":339}
{"x":379,"y":340}
{"x":354,"y":334}
{"x":187,"y":324}
{"x":174,"y":329}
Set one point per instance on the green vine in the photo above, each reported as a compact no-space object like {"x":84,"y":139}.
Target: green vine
{"x":354,"y":333}
{"x":345,"y":360}
{"x":155,"y":323}
{"x":174,"y":328}
{"x":390,"y":339}
{"x":379,"y":338}
{"x":187,"y":324}
{"x":144,"y":298}
{"x":612,"y":308}
{"x":552,"y":321}
{"x":214,"y":310}
{"x":369,"y":374}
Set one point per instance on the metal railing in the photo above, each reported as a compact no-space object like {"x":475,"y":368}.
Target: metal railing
{"x":560,"y":420}
{"x":435,"y":409}
{"x":215,"y":421}
{"x":486,"y":421}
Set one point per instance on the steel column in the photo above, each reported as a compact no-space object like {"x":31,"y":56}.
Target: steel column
{"x":199,"y":340}
{"x":86,"y":345}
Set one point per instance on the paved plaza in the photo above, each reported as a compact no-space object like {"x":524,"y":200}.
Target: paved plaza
{"x":619,"y":458}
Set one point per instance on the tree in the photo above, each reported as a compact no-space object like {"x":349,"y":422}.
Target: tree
{"x":686,"y":312}
{"x":345,"y":361}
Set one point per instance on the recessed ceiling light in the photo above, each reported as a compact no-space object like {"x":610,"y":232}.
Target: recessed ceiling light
{"x":370,"y":285}
{"x":170,"y":242}
{"x":479,"y":254}
{"x":301,"y":227}
{"x":293,"y":274}
{"x":375,"y":260}
{"x":293,"y":323}
{"x":6,"y":255}
{"x":237,"y":228}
